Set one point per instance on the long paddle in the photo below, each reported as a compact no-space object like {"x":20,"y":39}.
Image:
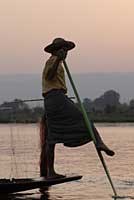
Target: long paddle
{"x":89,"y":127}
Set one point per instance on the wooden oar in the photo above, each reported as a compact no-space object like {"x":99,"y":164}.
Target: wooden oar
{"x":89,"y":127}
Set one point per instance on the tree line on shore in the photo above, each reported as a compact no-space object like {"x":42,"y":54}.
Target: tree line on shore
{"x":106,"y":108}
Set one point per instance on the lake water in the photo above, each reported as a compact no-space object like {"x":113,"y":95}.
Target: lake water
{"x":19,"y":158}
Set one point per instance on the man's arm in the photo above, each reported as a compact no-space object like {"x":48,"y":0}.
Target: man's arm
{"x":61,"y":54}
{"x":51,"y":72}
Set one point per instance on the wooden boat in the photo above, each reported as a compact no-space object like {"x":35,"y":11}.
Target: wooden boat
{"x":18,"y":185}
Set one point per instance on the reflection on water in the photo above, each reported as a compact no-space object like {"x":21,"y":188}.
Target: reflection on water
{"x":27,"y":196}
{"x":32,"y":196}
{"x":19,"y":158}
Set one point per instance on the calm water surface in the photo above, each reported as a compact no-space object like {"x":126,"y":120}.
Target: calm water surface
{"x":19,"y":158}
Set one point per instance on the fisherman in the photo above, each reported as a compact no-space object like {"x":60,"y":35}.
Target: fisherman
{"x":64,"y":121}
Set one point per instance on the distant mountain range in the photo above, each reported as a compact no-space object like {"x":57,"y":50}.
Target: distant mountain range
{"x":91,"y":85}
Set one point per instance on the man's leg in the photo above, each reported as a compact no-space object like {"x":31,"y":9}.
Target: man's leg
{"x":43,"y":161}
{"x":50,"y":150}
{"x":101,"y":146}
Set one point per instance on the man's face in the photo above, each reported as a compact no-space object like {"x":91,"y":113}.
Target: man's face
{"x":62,"y":52}
{"x":65,"y":50}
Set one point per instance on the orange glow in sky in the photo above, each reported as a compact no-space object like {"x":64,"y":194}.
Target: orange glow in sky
{"x":103,"y":31}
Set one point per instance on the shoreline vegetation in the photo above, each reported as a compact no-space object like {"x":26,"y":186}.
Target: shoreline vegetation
{"x":106,"y":108}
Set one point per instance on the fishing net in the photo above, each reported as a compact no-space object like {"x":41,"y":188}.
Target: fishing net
{"x":20,"y":150}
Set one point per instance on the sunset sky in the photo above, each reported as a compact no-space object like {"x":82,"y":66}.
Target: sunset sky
{"x":103,"y":31}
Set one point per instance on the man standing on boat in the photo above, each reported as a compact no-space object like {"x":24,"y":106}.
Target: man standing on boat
{"x":65,"y":123}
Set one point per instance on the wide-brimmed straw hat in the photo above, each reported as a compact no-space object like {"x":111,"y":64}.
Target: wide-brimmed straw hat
{"x":59,"y":43}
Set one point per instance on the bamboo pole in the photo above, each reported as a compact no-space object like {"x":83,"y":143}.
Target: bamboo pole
{"x":89,"y":127}
{"x":31,"y":100}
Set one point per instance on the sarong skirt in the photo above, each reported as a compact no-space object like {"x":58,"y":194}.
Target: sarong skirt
{"x":64,"y":120}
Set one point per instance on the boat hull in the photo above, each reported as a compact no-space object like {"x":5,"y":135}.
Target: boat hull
{"x":19,"y":185}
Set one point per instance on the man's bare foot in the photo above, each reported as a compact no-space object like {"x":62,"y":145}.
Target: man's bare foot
{"x":55,"y":176}
{"x":103,"y":147}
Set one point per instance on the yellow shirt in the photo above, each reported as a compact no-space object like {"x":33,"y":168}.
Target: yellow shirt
{"x":58,"y":81}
